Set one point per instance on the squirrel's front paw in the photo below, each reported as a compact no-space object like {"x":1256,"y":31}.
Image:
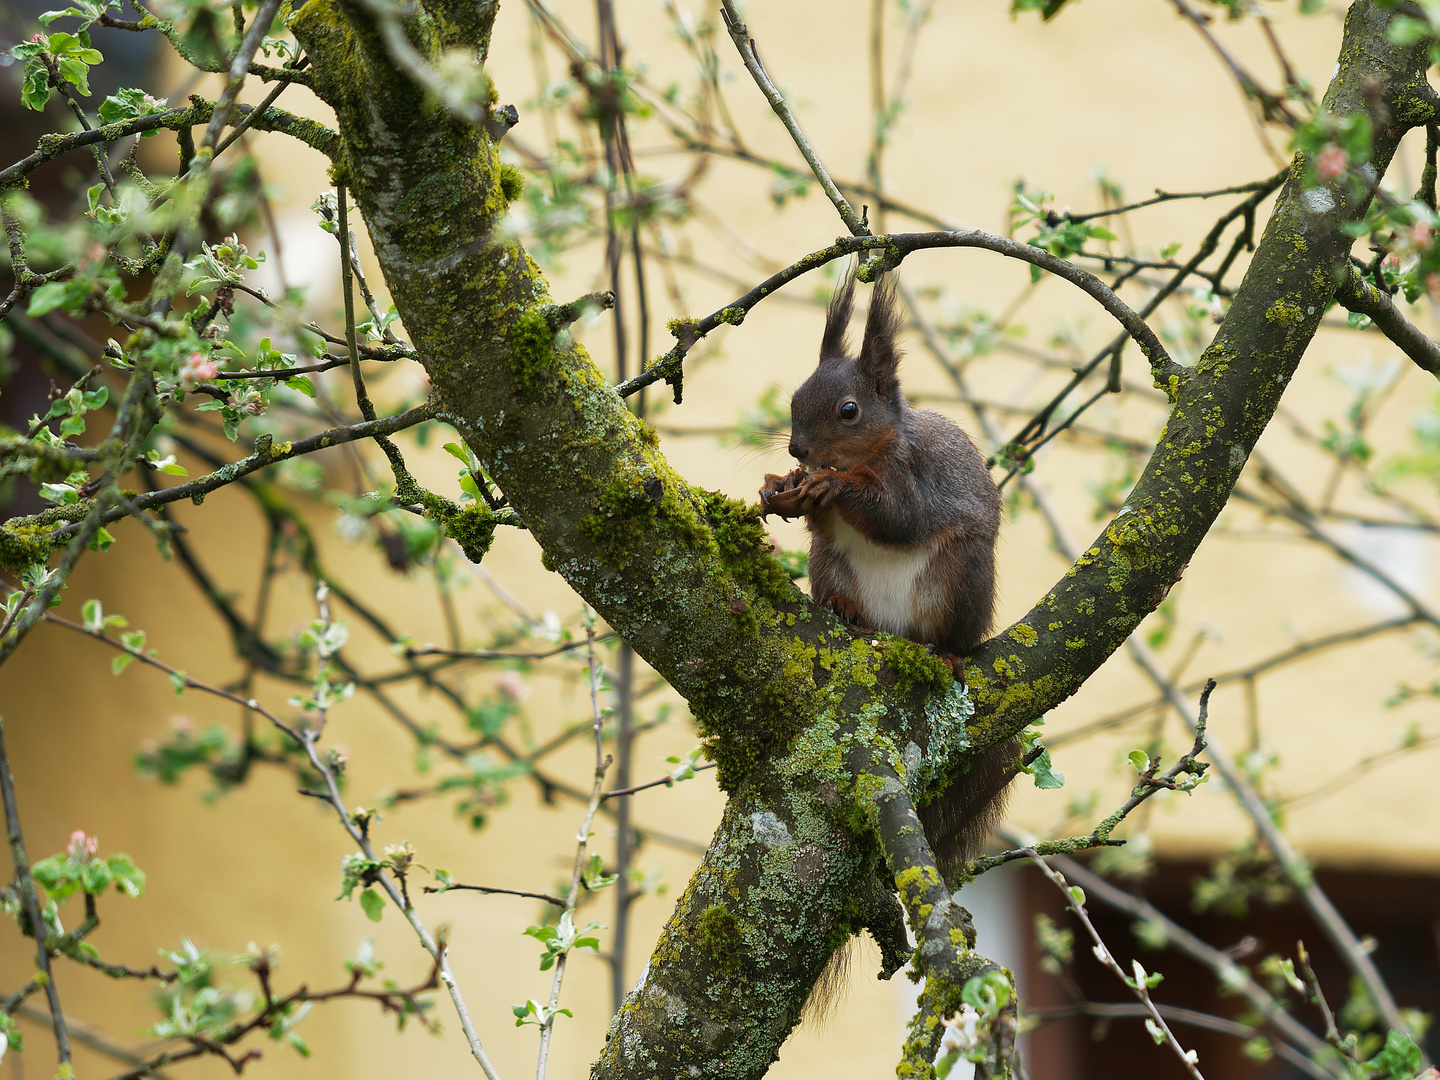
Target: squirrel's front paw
{"x":818,"y":489}
{"x":781,"y":494}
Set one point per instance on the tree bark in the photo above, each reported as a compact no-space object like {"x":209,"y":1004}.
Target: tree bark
{"x":809,"y":724}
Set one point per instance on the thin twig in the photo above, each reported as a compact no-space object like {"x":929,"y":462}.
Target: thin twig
{"x":896,"y":246}
{"x":1227,"y":972}
{"x":268,"y":454}
{"x":740,"y":34}
{"x":1147,"y":785}
{"x":664,"y":781}
{"x":554,"y":901}
{"x":1102,"y":953}
{"x":582,"y":840}
{"x":239,"y":68}
{"x":30,"y":903}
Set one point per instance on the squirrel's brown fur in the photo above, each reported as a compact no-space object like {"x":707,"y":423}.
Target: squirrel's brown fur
{"x":903,"y":519}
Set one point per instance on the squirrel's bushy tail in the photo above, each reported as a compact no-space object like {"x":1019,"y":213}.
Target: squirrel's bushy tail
{"x":956,"y":821}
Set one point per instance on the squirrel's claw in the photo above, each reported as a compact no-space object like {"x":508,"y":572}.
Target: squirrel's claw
{"x":848,"y":611}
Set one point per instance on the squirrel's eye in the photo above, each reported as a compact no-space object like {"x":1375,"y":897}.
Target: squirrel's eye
{"x":849,"y":411}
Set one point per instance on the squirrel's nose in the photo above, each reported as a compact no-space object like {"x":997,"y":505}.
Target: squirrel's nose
{"x":798,"y":450}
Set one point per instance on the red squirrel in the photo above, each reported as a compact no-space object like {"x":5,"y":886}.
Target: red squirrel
{"x":903,"y":518}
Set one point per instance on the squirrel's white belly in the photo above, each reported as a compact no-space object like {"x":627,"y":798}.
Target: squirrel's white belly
{"x":886,"y":578}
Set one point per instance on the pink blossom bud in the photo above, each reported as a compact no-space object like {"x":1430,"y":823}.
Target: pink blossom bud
{"x":197,"y":368}
{"x":512,"y":686}
{"x":1331,"y":162}
{"x":1421,"y":236}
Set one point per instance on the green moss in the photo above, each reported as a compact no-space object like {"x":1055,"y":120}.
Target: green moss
{"x":745,"y":546}
{"x":733,"y":315}
{"x":532,"y":347}
{"x":1415,"y":109}
{"x":720,"y":936}
{"x":23,"y":545}
{"x":471,"y":525}
{"x":512,"y":182}
{"x":914,"y":665}
{"x":624,"y":510}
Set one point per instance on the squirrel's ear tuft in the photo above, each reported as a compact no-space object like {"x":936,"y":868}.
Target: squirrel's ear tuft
{"x":880,"y":351}
{"x":837,"y":318}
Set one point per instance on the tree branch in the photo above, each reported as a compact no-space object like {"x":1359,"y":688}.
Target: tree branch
{"x":1361,"y":296}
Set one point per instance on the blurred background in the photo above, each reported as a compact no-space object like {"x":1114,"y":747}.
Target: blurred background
{"x":1312,"y":601}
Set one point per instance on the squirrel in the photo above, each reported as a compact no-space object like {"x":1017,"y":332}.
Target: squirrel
{"x":903,"y":520}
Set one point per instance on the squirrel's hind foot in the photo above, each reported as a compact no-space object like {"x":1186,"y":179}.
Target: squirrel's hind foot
{"x":848,"y":611}
{"x":956,"y":663}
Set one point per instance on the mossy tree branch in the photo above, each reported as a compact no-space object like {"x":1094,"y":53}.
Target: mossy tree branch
{"x":808,"y":723}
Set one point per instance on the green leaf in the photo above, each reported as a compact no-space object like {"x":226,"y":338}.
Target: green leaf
{"x":120,"y":663}
{"x":95,"y":877}
{"x":61,"y":494}
{"x":373,"y":905}
{"x":1048,"y":9}
{"x":76,"y":72}
{"x":47,"y":297}
{"x":461,"y":454}
{"x":35,"y":91}
{"x":1400,"y":1059}
{"x":129,"y":878}
{"x":302,"y":384}
{"x":49,"y":872}
{"x":1046,"y":776}
{"x":92,"y":615}
{"x":1407,"y":31}
{"x":1139,"y":759}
